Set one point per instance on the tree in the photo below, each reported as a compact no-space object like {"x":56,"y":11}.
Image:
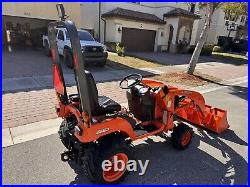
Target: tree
{"x":232,"y":11}
{"x":210,"y":7}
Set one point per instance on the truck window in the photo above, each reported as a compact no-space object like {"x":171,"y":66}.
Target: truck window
{"x":83,"y":35}
{"x":60,"y":35}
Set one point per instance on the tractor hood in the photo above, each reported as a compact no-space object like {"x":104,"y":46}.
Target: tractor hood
{"x":90,"y":43}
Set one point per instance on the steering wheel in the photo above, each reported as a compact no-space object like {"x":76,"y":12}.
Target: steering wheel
{"x":131,"y":80}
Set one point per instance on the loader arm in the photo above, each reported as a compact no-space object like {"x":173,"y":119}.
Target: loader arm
{"x":193,"y":109}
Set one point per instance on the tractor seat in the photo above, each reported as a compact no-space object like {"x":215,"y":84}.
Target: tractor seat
{"x":100,"y":105}
{"x":107,"y":105}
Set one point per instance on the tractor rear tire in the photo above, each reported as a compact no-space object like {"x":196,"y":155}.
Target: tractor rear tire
{"x":105,"y":151}
{"x":47,"y":49}
{"x":63,"y":134}
{"x":181,"y":136}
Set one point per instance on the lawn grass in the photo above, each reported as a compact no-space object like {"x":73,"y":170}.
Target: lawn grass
{"x":118,"y":62}
{"x":230,"y":56}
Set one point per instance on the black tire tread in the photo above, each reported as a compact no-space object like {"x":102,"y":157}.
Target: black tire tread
{"x":94,"y":157}
{"x":177,"y":136}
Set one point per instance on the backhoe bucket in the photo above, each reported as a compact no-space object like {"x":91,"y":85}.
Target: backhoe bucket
{"x":215,"y":119}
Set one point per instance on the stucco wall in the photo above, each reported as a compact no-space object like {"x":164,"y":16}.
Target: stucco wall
{"x":217,"y":27}
{"x":174,"y":23}
{"x":42,"y":10}
{"x":112,"y":34}
{"x":90,"y":17}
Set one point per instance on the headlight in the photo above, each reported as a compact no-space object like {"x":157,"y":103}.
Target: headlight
{"x":104,"y":48}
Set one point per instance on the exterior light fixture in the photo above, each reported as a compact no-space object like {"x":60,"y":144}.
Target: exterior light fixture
{"x":119,"y":29}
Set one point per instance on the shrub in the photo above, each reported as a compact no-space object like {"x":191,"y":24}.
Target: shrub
{"x":111,"y":46}
{"x":191,"y":49}
{"x":207,"y":50}
{"x":120,"y":49}
{"x":217,"y":49}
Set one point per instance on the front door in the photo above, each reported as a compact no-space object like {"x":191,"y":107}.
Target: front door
{"x":171,"y":30}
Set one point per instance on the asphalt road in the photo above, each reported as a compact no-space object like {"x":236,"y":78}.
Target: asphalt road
{"x":210,"y":159}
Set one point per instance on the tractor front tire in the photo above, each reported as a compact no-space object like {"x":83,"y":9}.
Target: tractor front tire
{"x":181,"y":136}
{"x":106,"y":151}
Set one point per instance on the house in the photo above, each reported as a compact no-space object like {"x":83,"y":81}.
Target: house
{"x":139,"y":26}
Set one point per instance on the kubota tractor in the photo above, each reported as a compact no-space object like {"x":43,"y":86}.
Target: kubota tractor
{"x":96,"y":128}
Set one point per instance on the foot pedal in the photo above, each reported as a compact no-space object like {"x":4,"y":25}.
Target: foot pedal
{"x":140,"y":132}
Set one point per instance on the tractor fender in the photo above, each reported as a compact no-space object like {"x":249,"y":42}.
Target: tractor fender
{"x":104,"y":128}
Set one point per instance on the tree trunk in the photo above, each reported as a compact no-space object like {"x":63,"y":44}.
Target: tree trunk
{"x":201,"y":41}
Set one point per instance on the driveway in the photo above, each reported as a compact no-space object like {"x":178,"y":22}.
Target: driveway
{"x":31,"y":62}
{"x":179,"y":59}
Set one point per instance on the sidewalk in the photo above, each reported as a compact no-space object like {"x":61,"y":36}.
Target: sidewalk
{"x":45,"y":81}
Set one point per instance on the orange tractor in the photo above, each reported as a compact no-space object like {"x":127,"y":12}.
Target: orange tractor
{"x":96,"y":128}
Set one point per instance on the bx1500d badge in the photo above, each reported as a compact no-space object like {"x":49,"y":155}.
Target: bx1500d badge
{"x":102,"y":131}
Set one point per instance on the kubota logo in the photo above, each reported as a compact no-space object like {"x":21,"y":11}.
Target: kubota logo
{"x":102,"y":131}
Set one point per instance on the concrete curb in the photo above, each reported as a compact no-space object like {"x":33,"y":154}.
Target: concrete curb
{"x":20,"y":134}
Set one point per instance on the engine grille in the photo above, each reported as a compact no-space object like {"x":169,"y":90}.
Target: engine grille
{"x":93,"y":49}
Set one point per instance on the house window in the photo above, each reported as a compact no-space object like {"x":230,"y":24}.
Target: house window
{"x":242,"y":19}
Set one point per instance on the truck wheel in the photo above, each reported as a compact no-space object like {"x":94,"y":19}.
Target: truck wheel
{"x":68,"y":58}
{"x":181,"y":136}
{"x":47,"y":49}
{"x":102,"y":64}
{"x":118,"y":148}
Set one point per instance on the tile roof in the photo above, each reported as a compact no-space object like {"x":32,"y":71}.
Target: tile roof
{"x":135,"y":15}
{"x":181,"y":12}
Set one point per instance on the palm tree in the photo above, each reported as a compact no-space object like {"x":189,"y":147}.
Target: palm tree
{"x":196,"y":54}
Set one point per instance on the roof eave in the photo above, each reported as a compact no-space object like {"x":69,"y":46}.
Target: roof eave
{"x":179,"y":15}
{"x":132,"y":18}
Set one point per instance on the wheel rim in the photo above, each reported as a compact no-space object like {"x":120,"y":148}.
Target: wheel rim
{"x":111,"y":175}
{"x":186,"y":138}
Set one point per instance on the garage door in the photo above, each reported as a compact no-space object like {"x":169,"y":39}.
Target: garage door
{"x":138,"y":40}
{"x":22,"y":31}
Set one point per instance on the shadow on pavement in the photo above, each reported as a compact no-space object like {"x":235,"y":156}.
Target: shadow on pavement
{"x":191,"y":166}
{"x":240,"y":91}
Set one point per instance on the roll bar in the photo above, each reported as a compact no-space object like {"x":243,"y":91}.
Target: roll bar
{"x":78,"y":62}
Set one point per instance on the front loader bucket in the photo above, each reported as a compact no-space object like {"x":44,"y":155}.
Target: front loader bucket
{"x":215,"y":119}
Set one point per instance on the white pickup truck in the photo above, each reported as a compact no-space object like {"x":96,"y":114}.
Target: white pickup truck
{"x":93,"y":52}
